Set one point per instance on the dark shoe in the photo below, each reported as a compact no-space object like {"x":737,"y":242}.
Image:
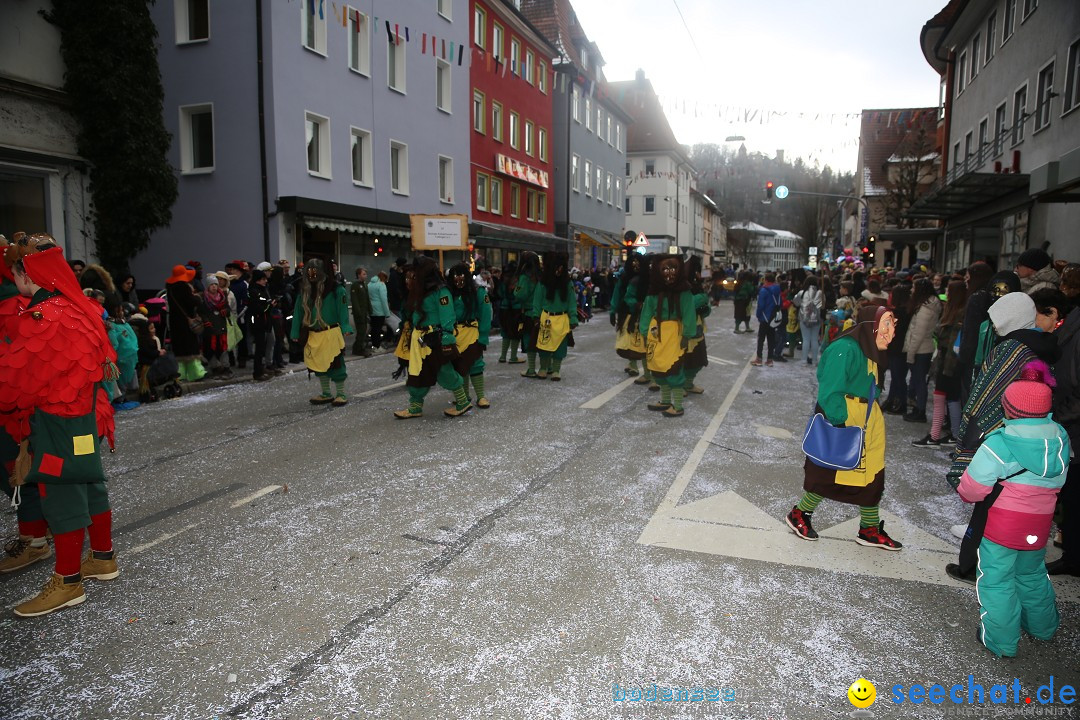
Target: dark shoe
{"x":953,"y":571}
{"x":926,"y":442}
{"x":894,"y":408}
{"x":799,"y":522}
{"x":919,"y":417}
{"x":1060,"y":567}
{"x":780,"y":358}
{"x":339,"y":401}
{"x":659,"y":407}
{"x":642,"y":381}
{"x":261,"y":378}
{"x":877,"y":537}
{"x":673,"y":412}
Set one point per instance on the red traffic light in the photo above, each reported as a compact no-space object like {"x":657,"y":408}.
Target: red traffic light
{"x":769,"y":184}
{"x":769,"y":189}
{"x":866,"y":249}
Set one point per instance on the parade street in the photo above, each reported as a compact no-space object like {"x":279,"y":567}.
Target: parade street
{"x":553,"y":556}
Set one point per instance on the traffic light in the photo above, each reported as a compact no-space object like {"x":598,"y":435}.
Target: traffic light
{"x":866,"y":255}
{"x":871,"y":243}
{"x":628,"y":239}
{"x":769,"y":185}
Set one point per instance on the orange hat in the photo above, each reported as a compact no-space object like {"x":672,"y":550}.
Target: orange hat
{"x":180,"y":274}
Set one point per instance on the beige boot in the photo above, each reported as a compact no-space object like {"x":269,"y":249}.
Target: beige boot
{"x":59,"y":592}
{"x":21,"y":553}
{"x":99,"y":566}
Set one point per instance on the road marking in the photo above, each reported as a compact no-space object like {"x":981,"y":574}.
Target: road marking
{"x":683,"y":478}
{"x":598,"y":402}
{"x":167,"y":536}
{"x":376,"y":391}
{"x":255,"y":496}
{"x":722,"y":361}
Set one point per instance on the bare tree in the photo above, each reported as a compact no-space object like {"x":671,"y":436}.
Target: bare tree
{"x":910,"y":170}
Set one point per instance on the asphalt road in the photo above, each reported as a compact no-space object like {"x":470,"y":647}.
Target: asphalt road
{"x":539,"y":559}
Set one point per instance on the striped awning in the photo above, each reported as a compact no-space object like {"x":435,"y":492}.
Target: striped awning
{"x":356,"y":228}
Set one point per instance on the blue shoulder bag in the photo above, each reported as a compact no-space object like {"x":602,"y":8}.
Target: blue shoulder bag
{"x":836,"y":448}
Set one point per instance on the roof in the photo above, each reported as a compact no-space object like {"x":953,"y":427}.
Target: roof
{"x":935,"y":29}
{"x":888,"y":134}
{"x":649,"y":131}
{"x":751,"y":227}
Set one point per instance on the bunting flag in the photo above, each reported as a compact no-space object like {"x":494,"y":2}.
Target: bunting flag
{"x":321,"y":16}
{"x":460,"y":54}
{"x":451,"y":51}
{"x":406,"y":33}
{"x":389,"y":33}
{"x":423,"y":44}
{"x":397,"y":35}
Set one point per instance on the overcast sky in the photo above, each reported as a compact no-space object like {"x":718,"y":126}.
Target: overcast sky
{"x":815,"y":57}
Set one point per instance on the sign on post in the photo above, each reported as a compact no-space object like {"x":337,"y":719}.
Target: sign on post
{"x":781,"y":192}
{"x":439,"y":232}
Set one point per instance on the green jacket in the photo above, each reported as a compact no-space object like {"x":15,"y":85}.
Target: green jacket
{"x":567,"y":305}
{"x":334,"y":310}
{"x":684,"y":312}
{"x":361,"y":301}
{"x":746,"y":291}
{"x":701,"y":305}
{"x":482,"y":315}
{"x":437,"y":310}
{"x":524,"y":294}
{"x":842,"y":371}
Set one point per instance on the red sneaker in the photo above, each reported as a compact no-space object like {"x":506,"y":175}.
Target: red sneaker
{"x":877,"y":537}
{"x":799,"y":522}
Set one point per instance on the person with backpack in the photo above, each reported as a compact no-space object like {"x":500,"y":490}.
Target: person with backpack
{"x":770,"y":314}
{"x":809,"y":301}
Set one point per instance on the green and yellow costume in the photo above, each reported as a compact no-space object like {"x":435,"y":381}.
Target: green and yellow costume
{"x":668,"y":328}
{"x":524,"y":294}
{"x":556,"y":319}
{"x":472,"y":332}
{"x":430,"y":346}
{"x":697,"y":355}
{"x":325,"y":323}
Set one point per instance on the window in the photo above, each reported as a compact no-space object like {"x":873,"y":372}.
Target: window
{"x":1029,"y":7}
{"x":575,"y":112}
{"x":969,"y":141}
{"x":575,"y":174}
{"x":608,"y":136}
{"x":541,"y":207}
{"x":627,"y":168}
{"x":618,"y":137}
{"x":496,"y":203}
{"x":530,"y":63}
{"x":496,"y":40}
{"x":312,"y":28}
{"x":481,"y":191}
{"x":530,"y":204}
{"x":541,"y":144}
{"x":515,"y":130}
{"x":588,"y":113}
{"x":541,"y":77}
{"x":956,"y":155}
{"x":609,"y":188}
{"x":1008,"y":21}
{"x":584,"y":59}
{"x":650,"y":168}
{"x":599,"y":183}
{"x":479,"y":26}
{"x":515,"y":200}
{"x":961,"y":73}
{"x":984,"y":136}
{"x":1072,"y":78}
{"x":192,"y":21}
{"x":1044,"y":95}
{"x":399,"y":168}
{"x":515,"y":56}
{"x":588,"y":178}
{"x":976,"y":47}
{"x":445,"y":8}
{"x":626,"y":205}
{"x":361,"y":156}
{"x":395,"y":66}
{"x":618,"y":191}
{"x":991,"y":32}
{"x":318,"y":144}
{"x":496,"y":121}
{"x":442,"y":85}
{"x":446,"y":179}
{"x":1020,"y":115}
{"x":478,"y":111}
{"x":529,"y":149}
{"x":1000,"y":128}
{"x":359,"y":42}
{"x":197,"y":138}
{"x":650,"y":204}
{"x":600,"y":129}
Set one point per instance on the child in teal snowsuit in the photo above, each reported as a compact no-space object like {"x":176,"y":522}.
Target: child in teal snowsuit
{"x":1028,"y":459}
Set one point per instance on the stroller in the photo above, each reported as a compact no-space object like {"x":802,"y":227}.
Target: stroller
{"x":161,"y":377}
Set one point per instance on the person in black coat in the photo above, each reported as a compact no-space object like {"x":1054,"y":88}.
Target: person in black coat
{"x":184,"y":315}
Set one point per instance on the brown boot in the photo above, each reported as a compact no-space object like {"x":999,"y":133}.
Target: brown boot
{"x":21,"y":553}
{"x":59,"y":592}
{"x":99,"y":565}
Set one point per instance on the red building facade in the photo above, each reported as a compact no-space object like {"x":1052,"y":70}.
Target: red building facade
{"x":512,"y":169}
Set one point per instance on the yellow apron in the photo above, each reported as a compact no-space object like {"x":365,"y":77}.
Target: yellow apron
{"x":322,"y":347}
{"x":694,"y":342}
{"x":417,"y":352}
{"x":402,"y":349}
{"x":873,"y":459}
{"x":665,"y":345}
{"x":629,"y":338}
{"x":465,"y":335}
{"x":553,"y":330}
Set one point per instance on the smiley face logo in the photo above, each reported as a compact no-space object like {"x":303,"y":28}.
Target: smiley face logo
{"x":862,"y":693}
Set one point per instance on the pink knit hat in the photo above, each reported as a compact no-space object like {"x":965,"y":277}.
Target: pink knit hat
{"x":1030,"y":395}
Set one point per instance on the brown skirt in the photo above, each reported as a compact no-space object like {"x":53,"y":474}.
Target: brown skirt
{"x":865,"y":484}
{"x":508,"y":324}
{"x":429,"y":369}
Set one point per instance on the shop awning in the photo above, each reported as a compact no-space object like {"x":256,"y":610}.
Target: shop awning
{"x":592,"y":238}
{"x":965,"y":193}
{"x":513,"y":238}
{"x":355,"y":228}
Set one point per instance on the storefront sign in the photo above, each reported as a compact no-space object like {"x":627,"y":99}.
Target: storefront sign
{"x":514,"y":168}
{"x":439,"y":232}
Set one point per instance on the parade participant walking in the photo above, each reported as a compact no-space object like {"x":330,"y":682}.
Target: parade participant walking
{"x":848,"y":378}
{"x":429,"y":338}
{"x":697,"y":355}
{"x":744,"y":295}
{"x":320,"y":322}
{"x":527,"y":281}
{"x":1027,"y":459}
{"x":361,"y":312}
{"x":555,"y":308}
{"x":510,"y":316}
{"x":669,"y":321}
{"x":58,"y":425}
{"x":472,"y":329}
{"x":630,"y":291}
{"x":186,"y":325}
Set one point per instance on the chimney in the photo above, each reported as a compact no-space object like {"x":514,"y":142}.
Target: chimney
{"x":640,"y":76}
